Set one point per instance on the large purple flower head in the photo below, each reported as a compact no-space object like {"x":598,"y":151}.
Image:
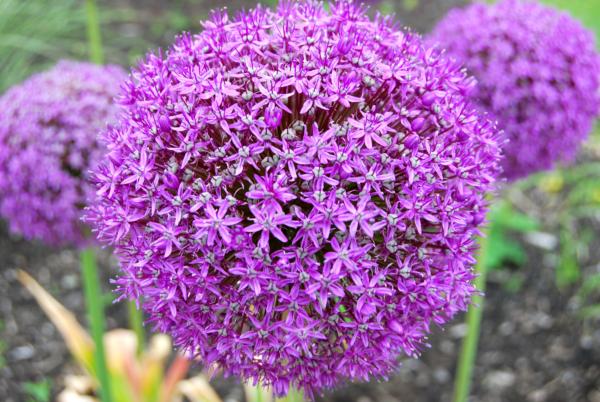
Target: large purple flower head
{"x":48,"y":144}
{"x":538,"y":73}
{"x":294,"y":193}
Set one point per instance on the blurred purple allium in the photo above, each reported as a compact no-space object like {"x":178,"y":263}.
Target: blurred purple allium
{"x":48,"y":144}
{"x":294,"y":193}
{"x":538,"y":72}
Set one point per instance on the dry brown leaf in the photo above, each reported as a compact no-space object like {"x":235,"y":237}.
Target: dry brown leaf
{"x":76,"y":337}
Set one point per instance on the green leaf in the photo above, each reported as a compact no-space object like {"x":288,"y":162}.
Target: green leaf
{"x":503,"y":220}
{"x":592,"y":311}
{"x":567,"y":270}
{"x":514,"y":283}
{"x":504,"y":250}
{"x":77,"y":339}
{"x":504,"y":217}
{"x":38,"y":391}
{"x":589,"y":286}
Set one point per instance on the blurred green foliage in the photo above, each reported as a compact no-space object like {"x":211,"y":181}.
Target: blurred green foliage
{"x":410,"y":4}
{"x":504,"y":221}
{"x":589,"y":290}
{"x":2,"y":348}
{"x":587,"y":11}
{"x":35,"y":34}
{"x":574,"y":193}
{"x":579,"y":200}
{"x":38,"y":391}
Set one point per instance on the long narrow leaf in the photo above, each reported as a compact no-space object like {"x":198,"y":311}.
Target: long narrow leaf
{"x":77,"y":339}
{"x":175,"y":374}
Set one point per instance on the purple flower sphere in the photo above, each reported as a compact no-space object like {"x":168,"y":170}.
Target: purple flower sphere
{"x":538,"y":72}
{"x":48,"y":144}
{"x":294,"y":193}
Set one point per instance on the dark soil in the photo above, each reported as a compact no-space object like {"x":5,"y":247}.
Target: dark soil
{"x":534,"y":347}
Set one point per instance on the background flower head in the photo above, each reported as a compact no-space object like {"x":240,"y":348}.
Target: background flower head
{"x":294,"y":193}
{"x":538,"y":73}
{"x":48,"y":144}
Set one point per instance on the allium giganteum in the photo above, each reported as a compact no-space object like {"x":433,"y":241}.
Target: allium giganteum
{"x":48,"y":144}
{"x":294,"y":193}
{"x":538,"y":72}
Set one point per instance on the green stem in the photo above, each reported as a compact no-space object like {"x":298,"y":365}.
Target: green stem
{"x":295,"y":396}
{"x":93,"y":32}
{"x":136,"y":323}
{"x":93,"y":293}
{"x":468,"y":353}
{"x":95,"y":310}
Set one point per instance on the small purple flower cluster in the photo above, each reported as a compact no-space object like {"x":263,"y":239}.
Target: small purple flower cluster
{"x":294,"y":194}
{"x":539,"y":75}
{"x":48,"y":144}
